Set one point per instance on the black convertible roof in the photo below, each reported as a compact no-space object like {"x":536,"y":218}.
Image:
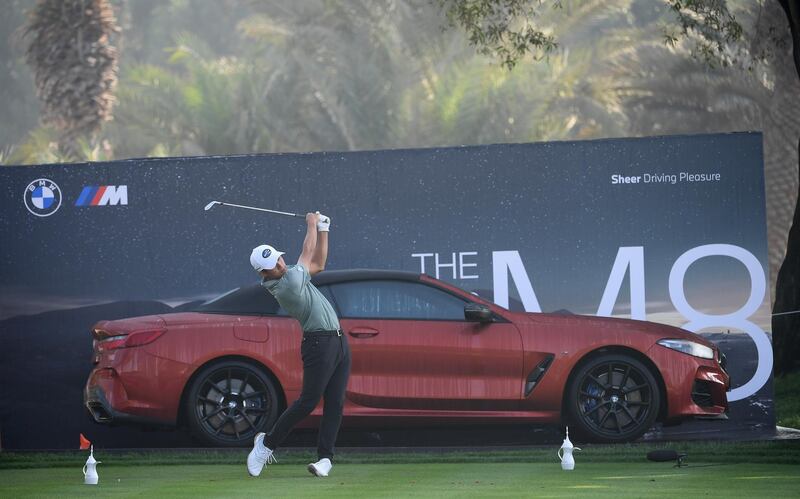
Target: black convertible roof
{"x":334,"y":276}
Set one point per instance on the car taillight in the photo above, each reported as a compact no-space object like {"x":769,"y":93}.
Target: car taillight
{"x":111,"y":343}
{"x":135,"y":339}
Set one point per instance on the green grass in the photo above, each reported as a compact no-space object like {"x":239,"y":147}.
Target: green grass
{"x":519,"y":479}
{"x":787,"y":399}
{"x":719,"y":469}
{"x":771,"y":452}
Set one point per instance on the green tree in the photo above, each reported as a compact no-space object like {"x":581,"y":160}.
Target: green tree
{"x":507,"y":30}
{"x":316,"y":75}
{"x":201,"y":104}
{"x":340,"y":68}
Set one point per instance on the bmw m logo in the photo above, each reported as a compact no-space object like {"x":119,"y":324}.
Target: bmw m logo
{"x":42,"y":197}
{"x":266,"y":253}
{"x":103,"y":195}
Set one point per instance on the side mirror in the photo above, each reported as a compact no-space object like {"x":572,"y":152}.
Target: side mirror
{"x":474,"y":312}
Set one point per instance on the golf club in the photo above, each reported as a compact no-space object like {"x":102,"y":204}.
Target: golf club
{"x":215,"y":203}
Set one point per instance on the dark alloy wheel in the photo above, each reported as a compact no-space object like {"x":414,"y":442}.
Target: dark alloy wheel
{"x":229,"y":402}
{"x":613,"y":398}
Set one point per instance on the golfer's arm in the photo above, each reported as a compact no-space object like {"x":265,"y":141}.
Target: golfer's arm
{"x":309,"y":246}
{"x":320,"y":252}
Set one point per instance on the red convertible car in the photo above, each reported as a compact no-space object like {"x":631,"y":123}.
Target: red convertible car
{"x":423,"y":352}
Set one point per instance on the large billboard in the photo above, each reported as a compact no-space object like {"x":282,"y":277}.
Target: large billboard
{"x":665,"y":229}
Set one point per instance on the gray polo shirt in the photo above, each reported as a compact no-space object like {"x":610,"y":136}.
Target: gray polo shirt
{"x":302,"y":300}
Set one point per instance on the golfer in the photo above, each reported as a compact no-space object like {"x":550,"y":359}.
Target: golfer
{"x":324,"y":350}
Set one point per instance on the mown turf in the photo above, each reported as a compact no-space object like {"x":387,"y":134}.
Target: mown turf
{"x":787,"y":399}
{"x":777,"y":452}
{"x":522,"y":479}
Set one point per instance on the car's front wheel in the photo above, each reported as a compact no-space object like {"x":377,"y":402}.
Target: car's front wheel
{"x":229,"y":402}
{"x":613,"y":398}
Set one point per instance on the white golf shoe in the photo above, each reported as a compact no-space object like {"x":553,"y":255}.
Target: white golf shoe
{"x":259,"y":456}
{"x":321,"y":468}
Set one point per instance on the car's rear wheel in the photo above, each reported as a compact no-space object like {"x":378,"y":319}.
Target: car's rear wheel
{"x":229,"y":402}
{"x":613,"y":398}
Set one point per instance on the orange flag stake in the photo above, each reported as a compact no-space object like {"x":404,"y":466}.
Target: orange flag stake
{"x":85,"y":443}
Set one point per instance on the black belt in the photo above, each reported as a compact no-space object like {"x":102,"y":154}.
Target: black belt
{"x":332,"y":332}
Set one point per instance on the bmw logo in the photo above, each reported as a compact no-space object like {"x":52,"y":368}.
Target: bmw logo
{"x":42,"y":197}
{"x":266,"y":253}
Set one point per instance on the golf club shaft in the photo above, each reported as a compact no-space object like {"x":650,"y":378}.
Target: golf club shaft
{"x":262,"y":209}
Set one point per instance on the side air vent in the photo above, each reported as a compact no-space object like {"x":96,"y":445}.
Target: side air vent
{"x":537,"y":373}
{"x":701,"y":393}
{"x":98,"y":412}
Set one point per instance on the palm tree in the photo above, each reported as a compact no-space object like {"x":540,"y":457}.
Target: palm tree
{"x":202,"y":105}
{"x":74,"y":62}
{"x":316,"y":75}
{"x":339,"y":69}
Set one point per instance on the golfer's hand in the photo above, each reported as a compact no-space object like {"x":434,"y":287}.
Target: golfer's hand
{"x":324,"y":223}
{"x":312,"y":218}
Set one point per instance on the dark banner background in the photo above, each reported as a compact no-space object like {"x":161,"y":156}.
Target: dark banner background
{"x":553,"y":208}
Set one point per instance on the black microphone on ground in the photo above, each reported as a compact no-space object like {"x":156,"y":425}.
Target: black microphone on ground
{"x":667,"y":455}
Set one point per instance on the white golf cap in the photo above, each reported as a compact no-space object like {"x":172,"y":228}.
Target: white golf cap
{"x":264,"y":257}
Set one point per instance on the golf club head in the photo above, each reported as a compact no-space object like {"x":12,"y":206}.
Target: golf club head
{"x":211,"y":205}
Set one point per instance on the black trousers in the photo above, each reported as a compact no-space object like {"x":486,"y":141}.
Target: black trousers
{"x":326,"y":368}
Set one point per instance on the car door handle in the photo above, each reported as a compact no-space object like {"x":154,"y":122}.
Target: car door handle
{"x":362,"y":332}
